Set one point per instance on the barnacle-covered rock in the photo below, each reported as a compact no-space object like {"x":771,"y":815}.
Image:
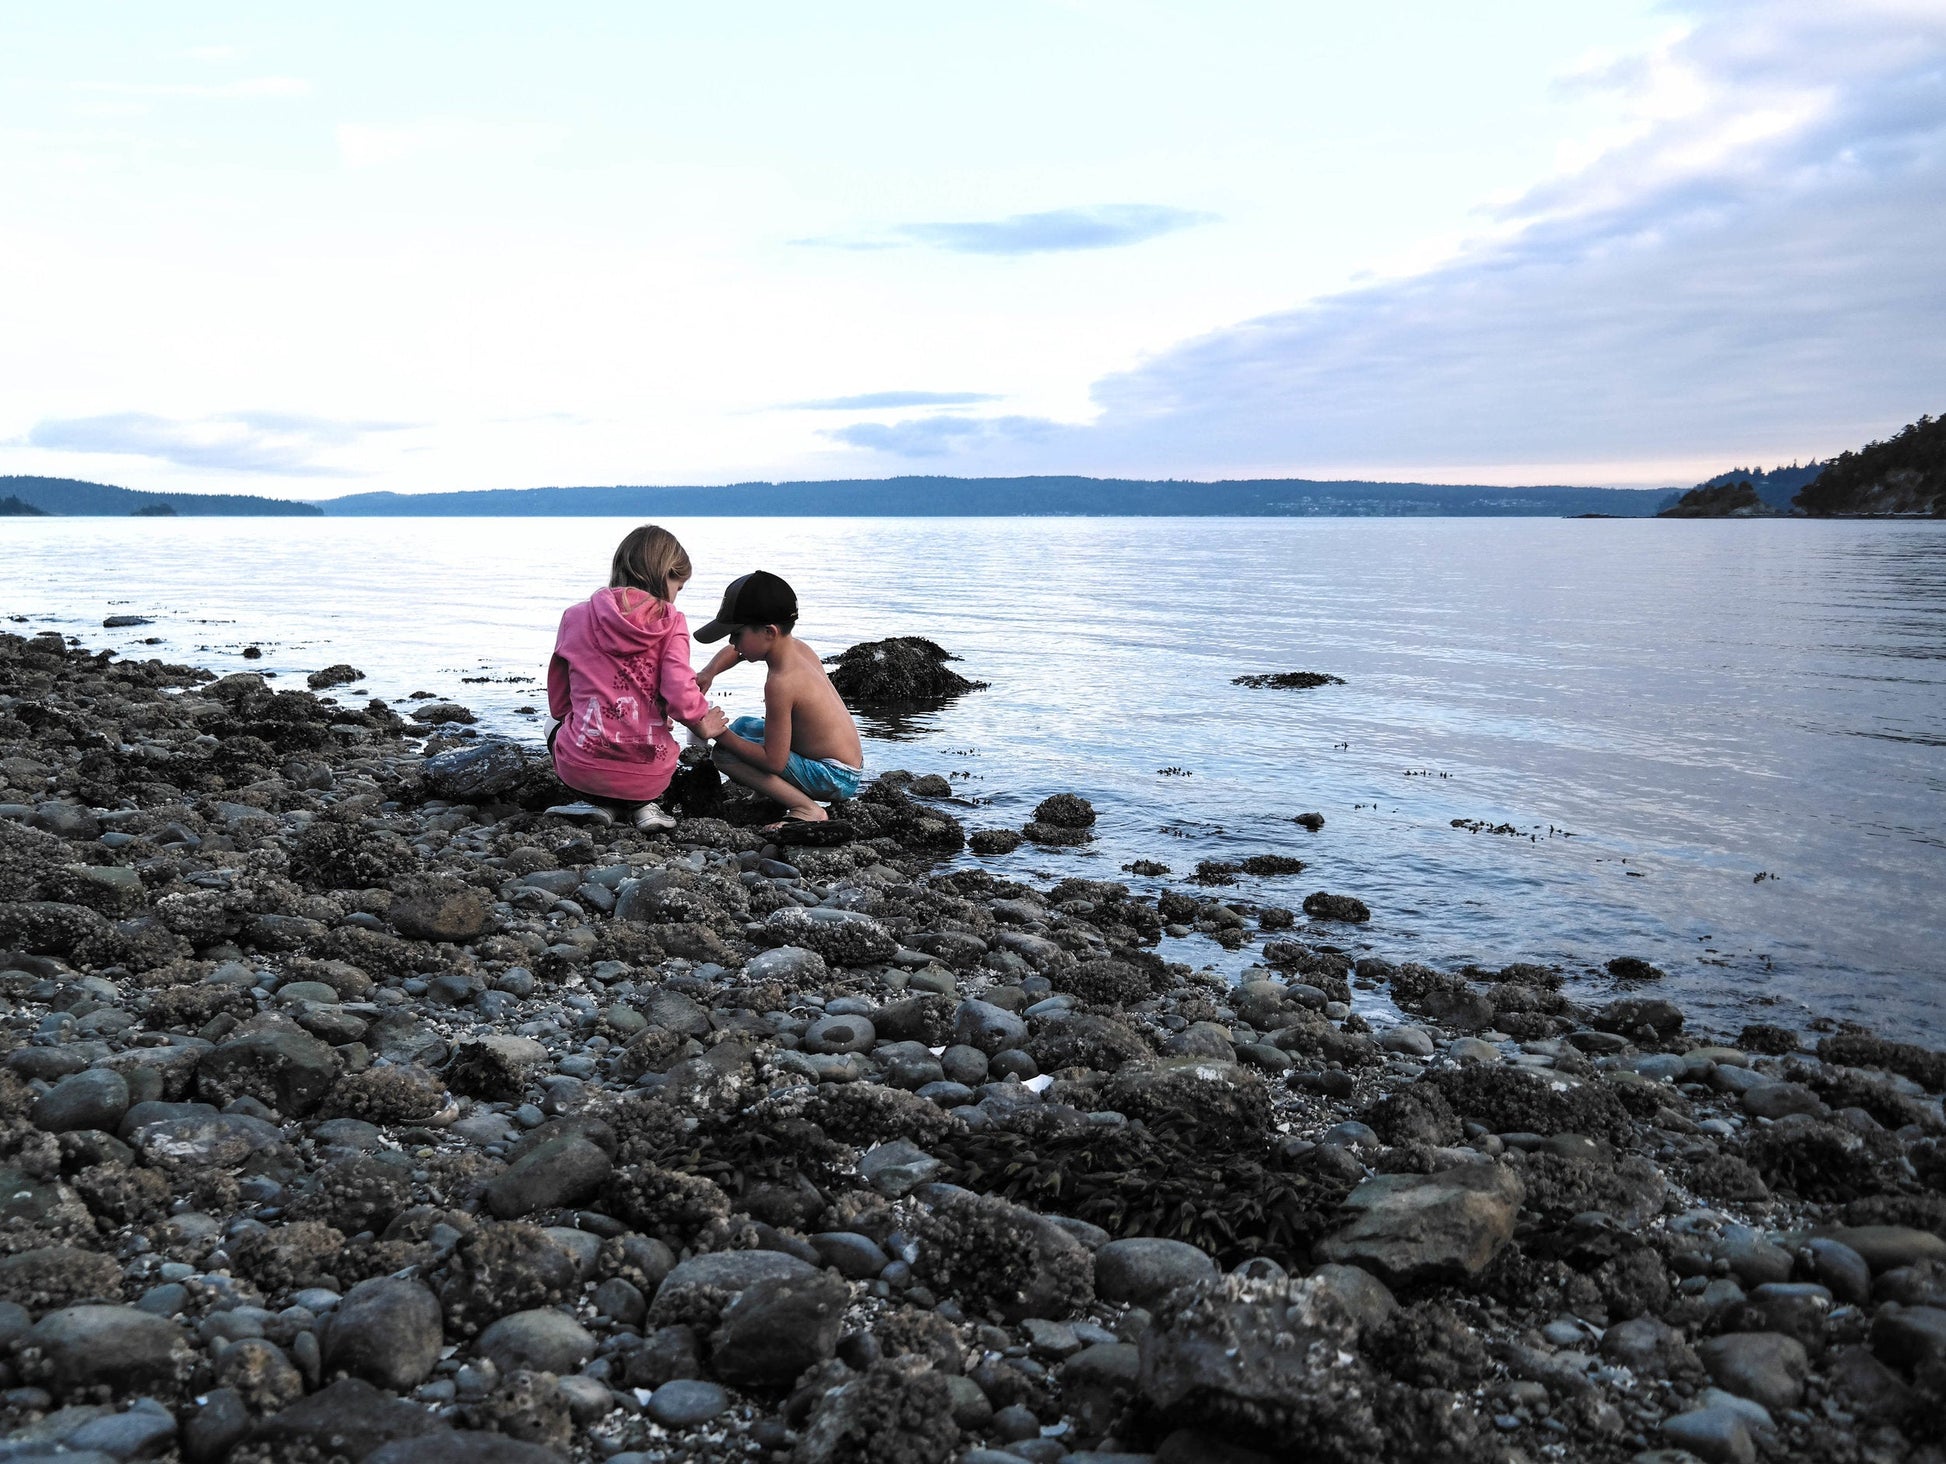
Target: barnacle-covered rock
{"x":1005,"y":1259}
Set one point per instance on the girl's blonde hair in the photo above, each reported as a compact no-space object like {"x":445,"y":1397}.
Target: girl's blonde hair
{"x":647,"y":560}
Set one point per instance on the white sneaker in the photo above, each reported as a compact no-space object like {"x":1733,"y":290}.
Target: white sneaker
{"x":649,"y":819}
{"x":592,"y":813}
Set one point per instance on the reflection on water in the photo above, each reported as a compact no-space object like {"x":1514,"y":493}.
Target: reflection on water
{"x":1662,"y":711}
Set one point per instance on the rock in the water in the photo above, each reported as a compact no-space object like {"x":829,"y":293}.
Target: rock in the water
{"x":1144,"y":1270}
{"x":387,"y":1331}
{"x":541,"y":1340}
{"x":337,"y":674}
{"x":1409,"y":1227}
{"x":903,"y":671}
{"x":1321,"y":905}
{"x":118,"y":1347}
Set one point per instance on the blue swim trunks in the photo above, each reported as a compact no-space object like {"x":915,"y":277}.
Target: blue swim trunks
{"x":823,"y":779}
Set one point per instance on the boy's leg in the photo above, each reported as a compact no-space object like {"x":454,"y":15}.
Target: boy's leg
{"x":799,"y":804}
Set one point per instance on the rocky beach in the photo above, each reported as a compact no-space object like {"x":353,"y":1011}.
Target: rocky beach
{"x":355,"y":1107}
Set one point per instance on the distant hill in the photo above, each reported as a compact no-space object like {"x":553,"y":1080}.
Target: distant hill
{"x":73,"y":496}
{"x":1774,"y":486}
{"x":1905,"y":476}
{"x":12,"y":507}
{"x":915,"y":497}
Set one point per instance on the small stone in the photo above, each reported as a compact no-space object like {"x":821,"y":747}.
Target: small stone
{"x":1718,"y":1435}
{"x":1146,"y":1269}
{"x":1410,"y":1227}
{"x":94,"y":1099}
{"x":388,"y":1331}
{"x":1412,"y":1041}
{"x":1765,"y":1366}
{"x":987,"y":1028}
{"x":1842,"y":1269}
{"x":897,"y":1168}
{"x":1887,"y":1247}
{"x":540,"y":1340}
{"x":777,"y":1329}
{"x":82,"y":1347}
{"x":621,"y":1300}
{"x":559,"y":1173}
{"x":686,"y":1402}
{"x":853,"y":1256}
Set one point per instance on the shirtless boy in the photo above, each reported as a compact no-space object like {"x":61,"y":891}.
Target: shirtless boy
{"x":804,"y":749}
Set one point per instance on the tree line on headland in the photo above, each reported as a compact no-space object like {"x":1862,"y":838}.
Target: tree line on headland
{"x":1903,"y":477}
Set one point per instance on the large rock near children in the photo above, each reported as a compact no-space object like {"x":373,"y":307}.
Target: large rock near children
{"x":1413,"y":1227}
{"x":491,"y":771}
{"x":904,"y":671}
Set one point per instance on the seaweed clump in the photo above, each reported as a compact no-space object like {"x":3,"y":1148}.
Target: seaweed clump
{"x":1233,"y":1202}
{"x":1508,"y":1101}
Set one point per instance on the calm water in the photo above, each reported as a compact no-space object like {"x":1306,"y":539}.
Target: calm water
{"x":1664,"y":711}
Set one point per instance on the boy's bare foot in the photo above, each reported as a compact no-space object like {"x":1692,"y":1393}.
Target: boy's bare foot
{"x":798,"y":816}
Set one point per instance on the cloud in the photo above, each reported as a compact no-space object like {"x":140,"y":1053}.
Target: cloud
{"x":880,"y":400}
{"x":943,"y":435}
{"x":1741,"y":269}
{"x":361,"y":145}
{"x":283,"y":444}
{"x":248,"y":89}
{"x":1061,"y":230}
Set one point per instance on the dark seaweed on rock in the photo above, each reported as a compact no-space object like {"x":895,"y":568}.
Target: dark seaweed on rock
{"x":903,"y":671}
{"x":1232,"y":1203}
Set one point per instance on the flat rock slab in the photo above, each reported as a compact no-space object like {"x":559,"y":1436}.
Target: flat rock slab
{"x":1410,"y":1227}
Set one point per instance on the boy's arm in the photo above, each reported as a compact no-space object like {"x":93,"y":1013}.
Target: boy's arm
{"x":773,"y":754}
{"x":722,"y":661}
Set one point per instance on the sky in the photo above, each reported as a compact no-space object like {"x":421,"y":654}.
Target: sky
{"x":249,"y":249}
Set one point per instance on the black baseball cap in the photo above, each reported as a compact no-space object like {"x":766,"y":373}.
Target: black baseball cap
{"x":756,"y":598}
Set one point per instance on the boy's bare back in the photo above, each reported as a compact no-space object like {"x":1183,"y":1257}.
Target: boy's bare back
{"x":798,"y":689}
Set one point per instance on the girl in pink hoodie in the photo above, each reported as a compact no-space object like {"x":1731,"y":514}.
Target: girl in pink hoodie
{"x":620,"y":670}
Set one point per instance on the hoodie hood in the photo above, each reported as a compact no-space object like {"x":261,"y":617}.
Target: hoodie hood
{"x":642,"y":629}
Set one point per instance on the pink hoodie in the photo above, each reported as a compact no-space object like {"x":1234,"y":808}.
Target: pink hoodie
{"x":620,"y":670}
